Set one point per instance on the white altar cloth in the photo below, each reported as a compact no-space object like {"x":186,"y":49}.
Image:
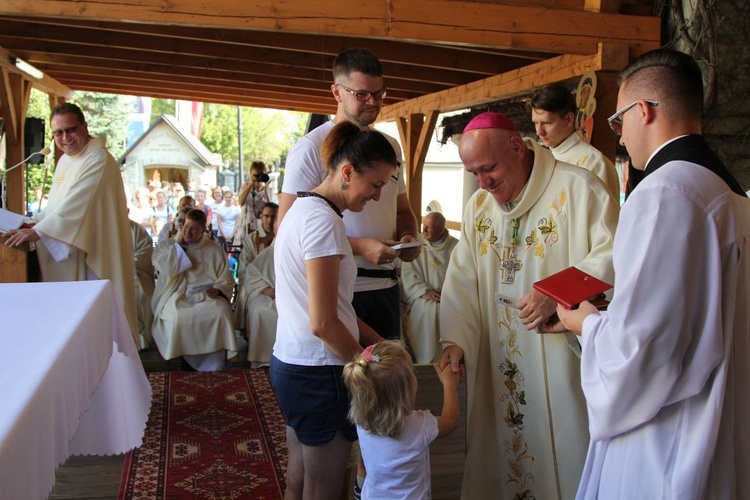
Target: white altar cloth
{"x":71,"y":381}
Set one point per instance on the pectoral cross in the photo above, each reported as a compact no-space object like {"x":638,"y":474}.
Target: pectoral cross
{"x":510,"y":265}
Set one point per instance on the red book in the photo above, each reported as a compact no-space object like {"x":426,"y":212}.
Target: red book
{"x":572,"y":286}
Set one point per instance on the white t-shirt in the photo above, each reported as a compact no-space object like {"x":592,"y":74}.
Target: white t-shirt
{"x":228,"y":215}
{"x":311,"y":230}
{"x":399,"y":467}
{"x":304,"y":171}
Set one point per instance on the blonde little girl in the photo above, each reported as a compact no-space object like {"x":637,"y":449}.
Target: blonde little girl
{"x":394,"y":438}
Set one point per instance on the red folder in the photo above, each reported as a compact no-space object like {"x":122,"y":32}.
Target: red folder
{"x":571,"y":286}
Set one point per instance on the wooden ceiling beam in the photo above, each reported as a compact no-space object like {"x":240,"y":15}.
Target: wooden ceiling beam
{"x":46,"y":84}
{"x":230,"y":99}
{"x":443,"y":57}
{"x":149,"y":46}
{"x":468,"y":23}
{"x":75,"y":67}
{"x":35,"y":51}
{"x":204,"y":89}
{"x":79,"y":72}
{"x":510,"y":84}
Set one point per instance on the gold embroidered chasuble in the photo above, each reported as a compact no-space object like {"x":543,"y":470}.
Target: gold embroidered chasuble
{"x":526,"y":415}
{"x":87,"y":211}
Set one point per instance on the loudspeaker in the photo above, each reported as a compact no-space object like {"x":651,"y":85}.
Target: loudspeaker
{"x":33,"y":133}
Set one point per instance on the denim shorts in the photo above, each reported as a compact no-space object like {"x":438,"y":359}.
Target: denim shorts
{"x":314,"y":400}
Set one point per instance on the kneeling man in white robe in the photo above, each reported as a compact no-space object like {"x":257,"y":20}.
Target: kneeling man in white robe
{"x":192,"y":316}
{"x":422,"y":281}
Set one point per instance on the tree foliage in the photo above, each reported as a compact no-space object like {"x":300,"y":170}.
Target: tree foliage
{"x":267,"y":135}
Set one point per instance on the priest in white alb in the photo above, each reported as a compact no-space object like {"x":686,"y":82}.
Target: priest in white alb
{"x":666,"y":369}
{"x":83,"y":232}
{"x":532,"y":216}
{"x":192,"y":316}
{"x":252,"y":244}
{"x":422,"y":282}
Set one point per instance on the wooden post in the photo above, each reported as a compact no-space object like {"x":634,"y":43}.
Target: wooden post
{"x":415,"y":132}
{"x":14,"y":95}
{"x":602,"y":137}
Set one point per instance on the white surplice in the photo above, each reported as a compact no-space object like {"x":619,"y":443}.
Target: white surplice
{"x":87,"y":213}
{"x":526,"y":415}
{"x":666,"y":370}
{"x":426,"y":272}
{"x":192,"y":324}
{"x":580,"y":153}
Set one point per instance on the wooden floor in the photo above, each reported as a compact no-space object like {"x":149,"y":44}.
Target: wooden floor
{"x":95,"y":477}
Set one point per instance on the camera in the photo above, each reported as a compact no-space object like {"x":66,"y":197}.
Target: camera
{"x":262,"y":177}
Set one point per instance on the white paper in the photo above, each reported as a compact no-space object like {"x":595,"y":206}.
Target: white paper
{"x":410,"y":244}
{"x":9,"y":220}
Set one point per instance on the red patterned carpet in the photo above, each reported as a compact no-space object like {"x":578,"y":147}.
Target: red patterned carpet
{"x":213,"y":435}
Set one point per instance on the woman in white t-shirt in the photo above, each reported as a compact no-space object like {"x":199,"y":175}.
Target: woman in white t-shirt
{"x":227,"y":215}
{"x":318,"y":331}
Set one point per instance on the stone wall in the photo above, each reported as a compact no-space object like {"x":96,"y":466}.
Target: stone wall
{"x":717,"y":34}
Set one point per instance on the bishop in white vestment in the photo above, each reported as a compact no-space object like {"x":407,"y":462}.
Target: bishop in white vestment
{"x":526,"y":415}
{"x":192,"y":316}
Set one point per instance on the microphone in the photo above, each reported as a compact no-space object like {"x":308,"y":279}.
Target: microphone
{"x":43,"y":152}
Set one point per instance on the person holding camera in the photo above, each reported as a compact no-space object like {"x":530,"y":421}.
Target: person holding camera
{"x":253,"y":196}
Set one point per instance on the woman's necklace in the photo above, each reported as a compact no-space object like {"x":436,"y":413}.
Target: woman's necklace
{"x":307,"y":194}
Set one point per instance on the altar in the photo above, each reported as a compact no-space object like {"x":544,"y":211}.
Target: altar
{"x":71,"y":381}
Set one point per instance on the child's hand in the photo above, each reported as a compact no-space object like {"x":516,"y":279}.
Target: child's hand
{"x":447,"y":376}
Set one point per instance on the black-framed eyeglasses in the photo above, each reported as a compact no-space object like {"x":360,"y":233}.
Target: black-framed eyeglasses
{"x":615,"y":121}
{"x":68,"y":131}
{"x":363,"y":95}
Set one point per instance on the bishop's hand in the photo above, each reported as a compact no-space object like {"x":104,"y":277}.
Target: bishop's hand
{"x":535,"y":308}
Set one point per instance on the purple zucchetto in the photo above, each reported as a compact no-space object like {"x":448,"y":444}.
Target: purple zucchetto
{"x":489,"y":119}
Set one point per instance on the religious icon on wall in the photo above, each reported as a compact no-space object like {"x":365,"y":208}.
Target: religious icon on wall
{"x":586,"y":103}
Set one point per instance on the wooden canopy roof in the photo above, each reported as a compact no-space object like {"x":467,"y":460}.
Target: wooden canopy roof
{"x":438,"y":55}
{"x":279,"y":54}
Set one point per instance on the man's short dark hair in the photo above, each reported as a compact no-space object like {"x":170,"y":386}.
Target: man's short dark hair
{"x":196,"y":215}
{"x":359,"y":59}
{"x":555,"y":98}
{"x":270,"y":204}
{"x":66,"y":107}
{"x":669,"y":73}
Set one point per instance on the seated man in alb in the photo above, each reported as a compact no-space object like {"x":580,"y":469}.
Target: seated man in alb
{"x":259,"y":239}
{"x":259,"y":312}
{"x":252,"y":245}
{"x":143,"y":248}
{"x":422,"y":281}
{"x":192,"y":316}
